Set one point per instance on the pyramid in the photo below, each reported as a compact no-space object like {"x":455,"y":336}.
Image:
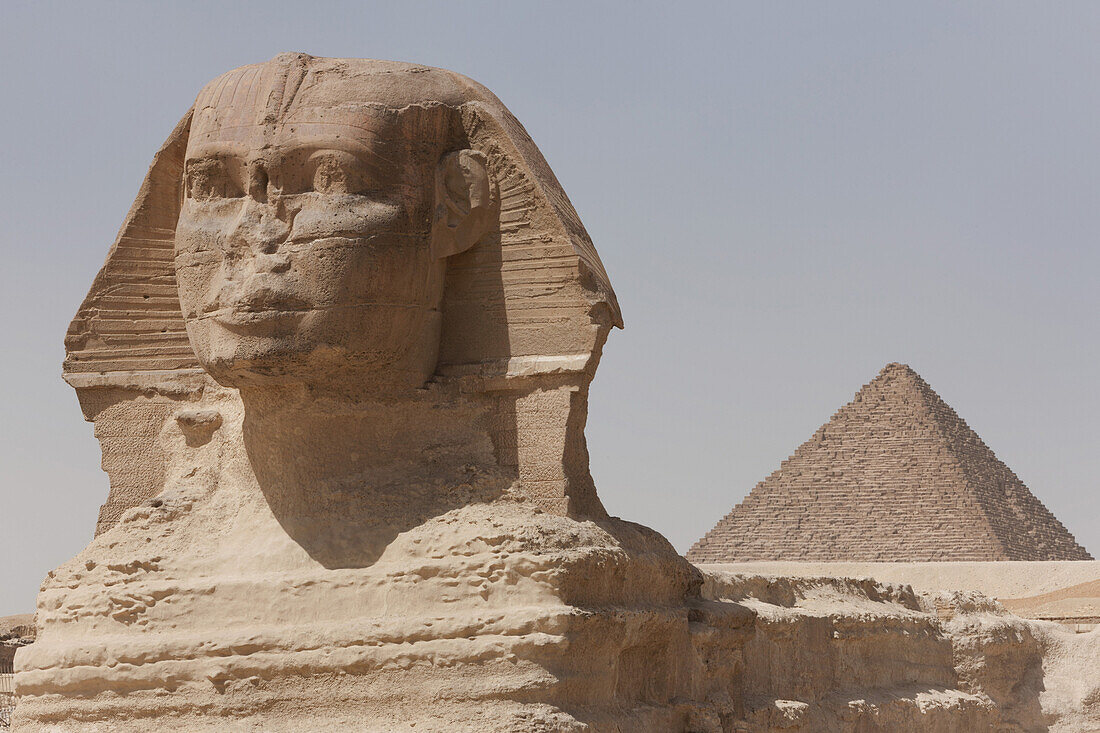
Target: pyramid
{"x":895,"y":476}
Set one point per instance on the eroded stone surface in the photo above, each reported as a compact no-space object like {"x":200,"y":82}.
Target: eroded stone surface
{"x":1065,"y":591}
{"x":856,"y":654}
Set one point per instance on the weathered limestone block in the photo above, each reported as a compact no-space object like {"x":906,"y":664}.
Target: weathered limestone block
{"x":1070,"y":692}
{"x":996,"y":655}
{"x":834,"y":654}
{"x":853,"y":654}
{"x":1066,"y":591}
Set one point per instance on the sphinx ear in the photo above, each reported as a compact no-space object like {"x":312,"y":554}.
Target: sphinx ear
{"x":464,"y":203}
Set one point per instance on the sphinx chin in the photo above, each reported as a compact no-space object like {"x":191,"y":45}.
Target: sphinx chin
{"x":256,"y":363}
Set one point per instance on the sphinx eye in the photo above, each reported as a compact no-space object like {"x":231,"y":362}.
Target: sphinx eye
{"x":330,"y":175}
{"x":209,"y":179}
{"x":335,"y":172}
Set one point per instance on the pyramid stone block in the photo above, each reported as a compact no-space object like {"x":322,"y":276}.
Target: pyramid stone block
{"x":896,"y":475}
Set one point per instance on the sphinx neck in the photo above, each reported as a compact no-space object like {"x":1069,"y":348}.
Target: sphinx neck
{"x":320,"y":442}
{"x":344,"y":478}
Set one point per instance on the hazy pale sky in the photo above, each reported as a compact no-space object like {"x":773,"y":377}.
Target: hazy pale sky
{"x":787,"y":196}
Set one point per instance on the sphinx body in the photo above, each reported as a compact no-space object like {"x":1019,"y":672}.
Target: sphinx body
{"x":338,"y":360}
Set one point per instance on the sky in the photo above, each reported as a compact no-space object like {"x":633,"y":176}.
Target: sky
{"x":787,"y":196}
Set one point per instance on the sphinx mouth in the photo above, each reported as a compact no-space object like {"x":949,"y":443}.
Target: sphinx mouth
{"x":251,"y":317}
{"x":264,"y":295}
{"x":263,"y":299}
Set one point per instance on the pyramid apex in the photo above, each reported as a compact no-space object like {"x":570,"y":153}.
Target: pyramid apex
{"x":896,"y":367}
{"x":891,"y":377}
{"x":897,"y":372}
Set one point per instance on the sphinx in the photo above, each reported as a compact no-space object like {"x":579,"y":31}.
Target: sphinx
{"x":338,"y":360}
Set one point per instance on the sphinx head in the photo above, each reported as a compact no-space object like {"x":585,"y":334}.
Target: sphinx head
{"x":358,"y":227}
{"x":346,"y":223}
{"x":321,"y":200}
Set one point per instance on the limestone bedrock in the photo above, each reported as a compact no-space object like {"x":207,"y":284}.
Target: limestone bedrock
{"x":338,"y":360}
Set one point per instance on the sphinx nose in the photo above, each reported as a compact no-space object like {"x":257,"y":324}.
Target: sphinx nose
{"x":259,"y":227}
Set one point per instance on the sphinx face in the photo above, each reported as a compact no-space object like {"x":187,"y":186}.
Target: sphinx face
{"x":303,"y":246}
